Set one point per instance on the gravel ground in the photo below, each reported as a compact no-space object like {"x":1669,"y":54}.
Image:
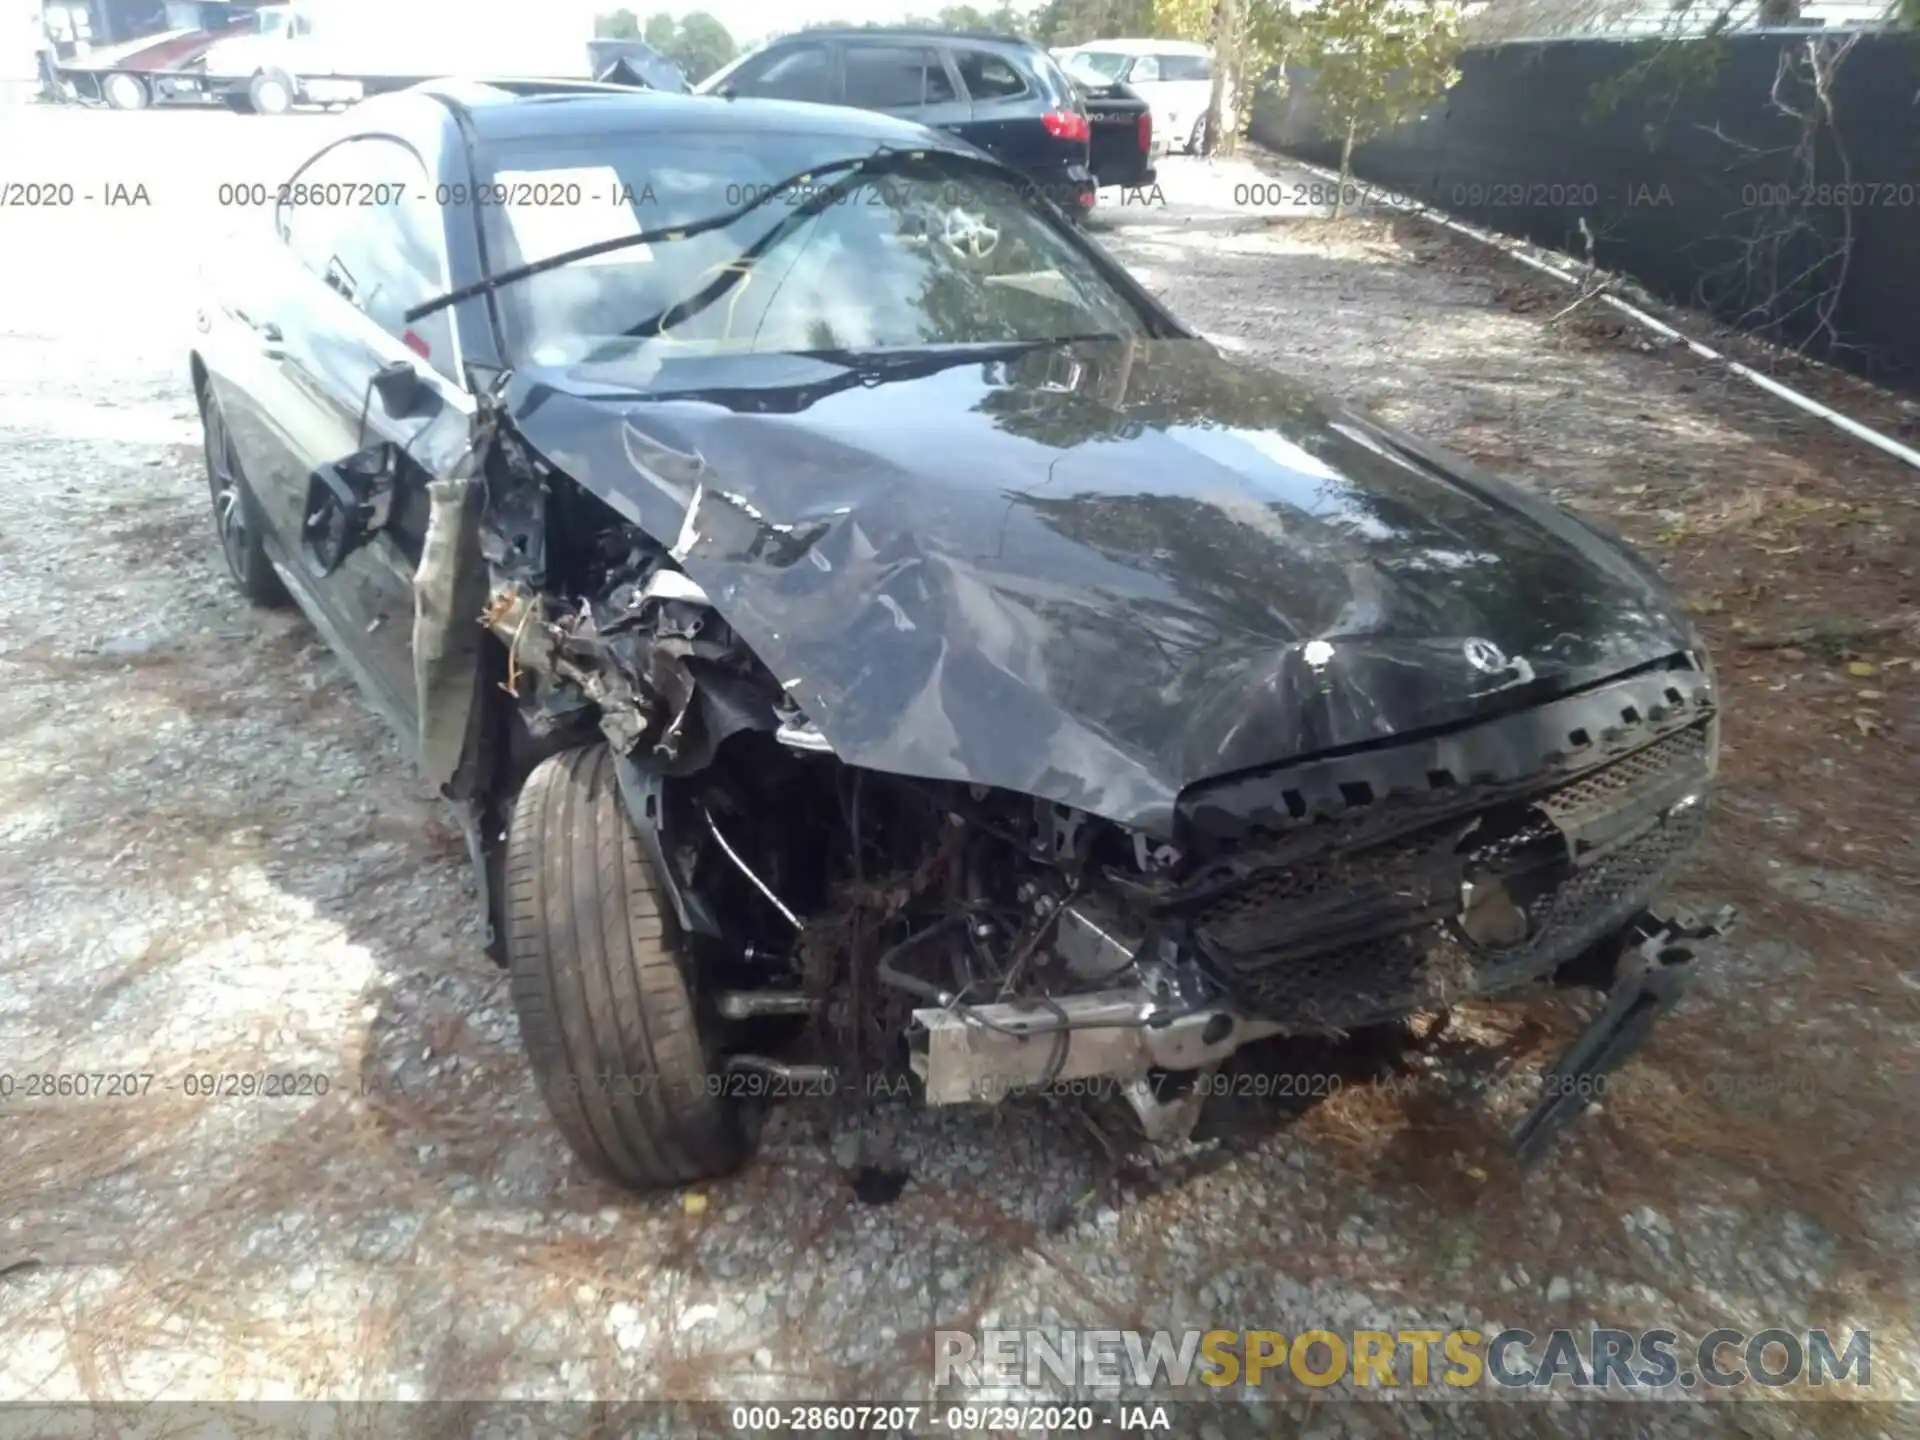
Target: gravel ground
{"x":213,"y":862}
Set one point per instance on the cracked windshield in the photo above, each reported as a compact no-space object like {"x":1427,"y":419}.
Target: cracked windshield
{"x":909,"y":253}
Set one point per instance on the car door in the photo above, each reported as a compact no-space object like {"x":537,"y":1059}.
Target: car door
{"x":1143,"y":77}
{"x":242,"y":279}
{"x":1186,"y":83}
{"x":1006,"y":108}
{"x":906,"y":78}
{"x":362,"y":243}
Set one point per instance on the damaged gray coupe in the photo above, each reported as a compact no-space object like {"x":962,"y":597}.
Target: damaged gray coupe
{"x":863,"y":633}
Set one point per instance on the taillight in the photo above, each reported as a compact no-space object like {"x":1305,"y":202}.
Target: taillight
{"x":1146,"y":131}
{"x":1065,"y":125}
{"x":414,"y":343}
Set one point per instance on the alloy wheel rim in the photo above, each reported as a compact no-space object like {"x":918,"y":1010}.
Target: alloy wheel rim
{"x":229,"y":515}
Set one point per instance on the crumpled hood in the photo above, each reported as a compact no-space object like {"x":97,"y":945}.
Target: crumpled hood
{"x":1095,"y":573}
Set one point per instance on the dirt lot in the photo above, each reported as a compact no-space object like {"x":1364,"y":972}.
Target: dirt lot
{"x":213,"y":862}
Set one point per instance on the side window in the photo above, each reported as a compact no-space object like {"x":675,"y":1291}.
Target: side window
{"x":796,"y":72}
{"x":1057,"y":84}
{"x":1147,"y":67}
{"x":988,"y":76}
{"x":1185,"y":67}
{"x":357,"y":216}
{"x":892,"y":77}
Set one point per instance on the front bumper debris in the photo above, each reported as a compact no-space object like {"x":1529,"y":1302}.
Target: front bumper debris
{"x":985,"y":1052}
{"x":1651,"y":977}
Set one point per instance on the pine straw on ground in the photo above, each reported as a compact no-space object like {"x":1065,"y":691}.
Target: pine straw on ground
{"x":1816,"y":537}
{"x":1798,"y":562}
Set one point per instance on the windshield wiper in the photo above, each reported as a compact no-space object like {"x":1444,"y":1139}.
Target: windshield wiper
{"x":771,"y":192}
{"x":886,"y":363}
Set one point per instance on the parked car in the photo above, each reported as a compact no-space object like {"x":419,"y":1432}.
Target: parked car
{"x":1004,"y":95}
{"x":1125,"y":148}
{"x":1175,"y":77}
{"x":838,"y":600}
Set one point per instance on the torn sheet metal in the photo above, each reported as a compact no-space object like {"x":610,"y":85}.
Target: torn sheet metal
{"x":1167,"y":566}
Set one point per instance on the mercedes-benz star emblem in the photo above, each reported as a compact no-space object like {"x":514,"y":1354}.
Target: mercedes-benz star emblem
{"x":1486,"y":657}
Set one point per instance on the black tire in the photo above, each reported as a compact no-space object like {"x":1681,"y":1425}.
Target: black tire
{"x":125,"y":92}
{"x":271,"y":93}
{"x":1197,"y":141}
{"x":600,"y":979}
{"x":239,"y":104}
{"x":237,"y":522}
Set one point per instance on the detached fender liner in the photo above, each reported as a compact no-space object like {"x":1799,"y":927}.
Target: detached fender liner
{"x":449,"y":590}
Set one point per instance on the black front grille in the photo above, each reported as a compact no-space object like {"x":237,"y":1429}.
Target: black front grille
{"x":1346,"y":938}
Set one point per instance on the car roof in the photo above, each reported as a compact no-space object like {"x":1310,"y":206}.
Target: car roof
{"x":906,"y":32}
{"x":521,"y":110}
{"x":1140,"y":47}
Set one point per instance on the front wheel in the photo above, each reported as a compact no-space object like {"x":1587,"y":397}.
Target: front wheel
{"x":236,"y":514}
{"x":1197,"y":141}
{"x":603,"y":985}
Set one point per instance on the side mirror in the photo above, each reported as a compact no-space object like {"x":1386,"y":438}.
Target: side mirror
{"x":347,"y":504}
{"x":402,"y":390}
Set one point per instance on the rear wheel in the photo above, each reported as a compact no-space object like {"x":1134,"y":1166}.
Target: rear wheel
{"x":239,"y":104}
{"x":236,"y":514}
{"x":271,"y":93}
{"x":604,"y":989}
{"x":125,"y":92}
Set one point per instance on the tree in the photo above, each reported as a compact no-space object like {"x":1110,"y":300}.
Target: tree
{"x":961,"y":17}
{"x":699,"y":44}
{"x":1376,"y":62}
{"x":1004,"y":19}
{"x":1074,"y":22}
{"x":1184,"y":19}
{"x":1226,"y":43}
{"x":701,"y":47}
{"x":620,"y":25}
{"x":1010,"y":19}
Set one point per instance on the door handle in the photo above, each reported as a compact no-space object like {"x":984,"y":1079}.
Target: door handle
{"x":268,"y":332}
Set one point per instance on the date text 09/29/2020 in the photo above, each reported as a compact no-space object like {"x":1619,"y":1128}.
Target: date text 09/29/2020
{"x":114,"y":1084}
{"x":965,"y":1419}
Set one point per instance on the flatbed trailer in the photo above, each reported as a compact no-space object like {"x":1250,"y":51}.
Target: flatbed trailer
{"x":312,"y":53}
{"x":157,"y":69}
{"x":134,"y":88}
